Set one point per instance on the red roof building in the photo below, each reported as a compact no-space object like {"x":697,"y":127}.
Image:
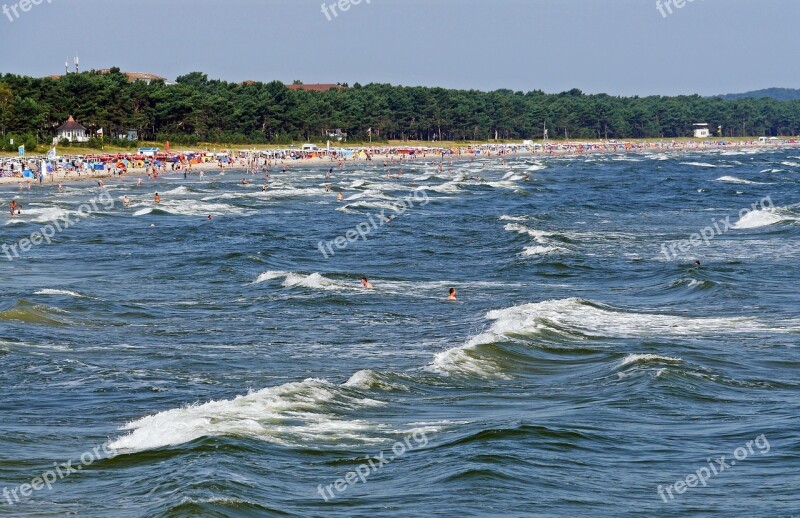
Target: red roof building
{"x":317,"y":87}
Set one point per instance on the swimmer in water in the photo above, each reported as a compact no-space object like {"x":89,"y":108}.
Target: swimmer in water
{"x":126,"y":201}
{"x":138,"y":182}
{"x":209,"y":217}
{"x":13,"y":207}
{"x":60,"y":188}
{"x":264,"y":188}
{"x":366,"y":283}
{"x":339,"y":197}
{"x":157,"y":199}
{"x":453,"y":294}
{"x":697,"y":264}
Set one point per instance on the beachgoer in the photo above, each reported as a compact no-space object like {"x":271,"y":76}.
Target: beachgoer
{"x":365,"y":283}
{"x":453,"y":294}
{"x":157,"y":199}
{"x":339,"y":197}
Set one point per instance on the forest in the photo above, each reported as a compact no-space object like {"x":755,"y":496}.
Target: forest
{"x":197,"y":109}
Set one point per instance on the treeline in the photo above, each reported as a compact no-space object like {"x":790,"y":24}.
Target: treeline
{"x":198,"y":109}
{"x":780,"y":94}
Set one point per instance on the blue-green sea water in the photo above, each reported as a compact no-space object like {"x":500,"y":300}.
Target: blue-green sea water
{"x":227,"y":367}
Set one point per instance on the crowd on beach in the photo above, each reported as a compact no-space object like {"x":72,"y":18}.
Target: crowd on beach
{"x":32,"y":170}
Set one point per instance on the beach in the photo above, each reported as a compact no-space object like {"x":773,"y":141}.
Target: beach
{"x":454,"y":154}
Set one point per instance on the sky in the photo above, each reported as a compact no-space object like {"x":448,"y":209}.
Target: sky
{"x":619,"y":47}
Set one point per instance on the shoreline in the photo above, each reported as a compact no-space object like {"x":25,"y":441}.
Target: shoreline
{"x":496,"y":151}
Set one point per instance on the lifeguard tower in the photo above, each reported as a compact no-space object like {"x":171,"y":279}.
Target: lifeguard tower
{"x":701,"y":130}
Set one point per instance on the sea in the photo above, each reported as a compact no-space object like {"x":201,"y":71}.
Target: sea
{"x":156,"y":362}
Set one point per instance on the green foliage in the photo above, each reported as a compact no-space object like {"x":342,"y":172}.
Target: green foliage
{"x":198,"y":109}
{"x":780,"y":94}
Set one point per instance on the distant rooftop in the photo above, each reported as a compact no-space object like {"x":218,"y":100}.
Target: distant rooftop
{"x":316,"y":87}
{"x":135,"y":76}
{"x":71,"y":125}
{"x":132,"y":76}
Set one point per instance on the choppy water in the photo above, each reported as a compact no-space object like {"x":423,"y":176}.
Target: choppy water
{"x":230,"y":369}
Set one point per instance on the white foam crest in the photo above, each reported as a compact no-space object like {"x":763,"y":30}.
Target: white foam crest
{"x":369,"y":193}
{"x":503,"y":184}
{"x":369,"y":205}
{"x":602,"y":321}
{"x":314,"y":281}
{"x":648,"y":358}
{"x":760,"y":218}
{"x":518,"y":219}
{"x":46,"y":214}
{"x":369,"y":379}
{"x":538,"y":235}
{"x":270,"y":275}
{"x":198,"y":208}
{"x":290,"y":414}
{"x":465,"y":361}
{"x":790,"y":164}
{"x":512,"y":176}
{"x":733,"y":179}
{"x":142,"y":212}
{"x":178,"y":190}
{"x":700,"y":164}
{"x":536,"y":167}
{"x":447,"y":187}
{"x":542,"y":250}
{"x":64,"y":293}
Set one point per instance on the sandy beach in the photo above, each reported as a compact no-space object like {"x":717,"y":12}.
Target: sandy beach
{"x":459,"y":155}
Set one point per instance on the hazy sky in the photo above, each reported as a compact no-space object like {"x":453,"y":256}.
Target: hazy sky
{"x":621,"y":47}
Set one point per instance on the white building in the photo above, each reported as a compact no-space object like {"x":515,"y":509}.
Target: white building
{"x":701,"y":130}
{"x":72,"y":131}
